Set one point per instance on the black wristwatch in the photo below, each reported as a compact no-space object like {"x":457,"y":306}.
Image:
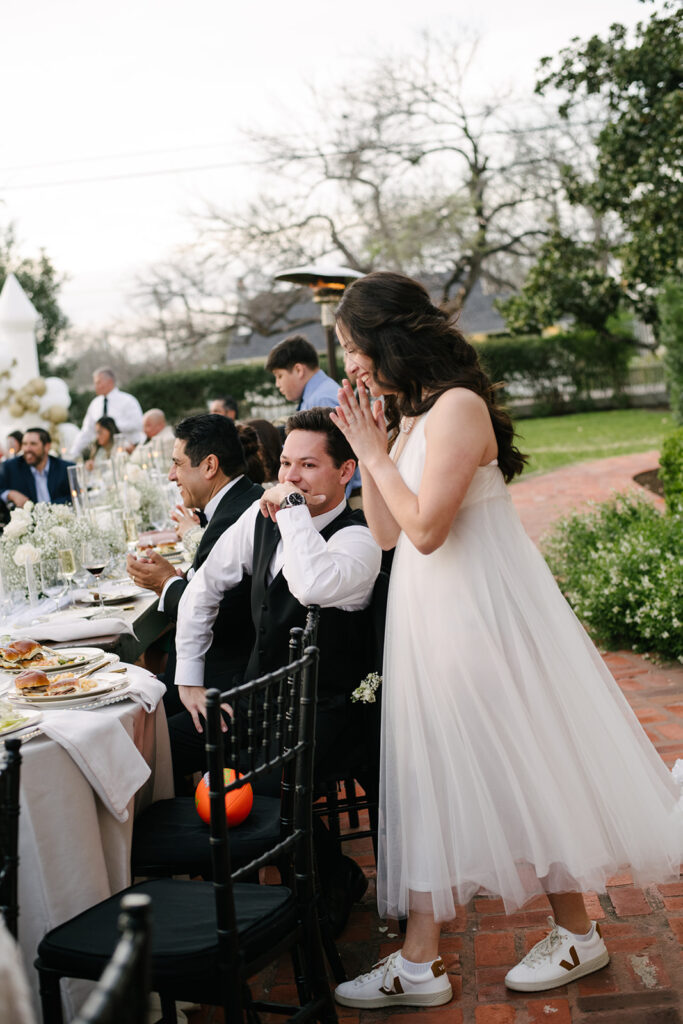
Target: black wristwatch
{"x":292,"y":500}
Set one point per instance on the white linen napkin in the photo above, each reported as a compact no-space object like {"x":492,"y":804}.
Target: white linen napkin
{"x":104,"y":752}
{"x":71,"y":628}
{"x":145,"y":689}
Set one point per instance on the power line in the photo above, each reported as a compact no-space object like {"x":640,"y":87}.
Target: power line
{"x":127,"y":176}
{"x":114,"y":156}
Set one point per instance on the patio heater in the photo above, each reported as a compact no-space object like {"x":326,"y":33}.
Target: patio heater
{"x":328,"y":284}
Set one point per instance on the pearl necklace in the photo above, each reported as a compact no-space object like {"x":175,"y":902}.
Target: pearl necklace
{"x":406,"y":427}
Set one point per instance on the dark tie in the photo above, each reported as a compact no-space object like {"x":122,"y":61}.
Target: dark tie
{"x":104,"y":407}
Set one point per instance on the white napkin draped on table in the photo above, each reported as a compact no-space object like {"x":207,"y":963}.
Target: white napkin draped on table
{"x":104,"y":752}
{"x":65,"y":629}
{"x":145,"y":689}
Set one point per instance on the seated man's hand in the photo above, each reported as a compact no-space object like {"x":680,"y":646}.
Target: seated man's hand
{"x":17,"y":498}
{"x":185,"y":519}
{"x":151,"y":571}
{"x":273,"y":496}
{"x":194,"y":699}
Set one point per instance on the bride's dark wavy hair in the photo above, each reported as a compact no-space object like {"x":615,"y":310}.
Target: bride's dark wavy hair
{"x":418,"y":350}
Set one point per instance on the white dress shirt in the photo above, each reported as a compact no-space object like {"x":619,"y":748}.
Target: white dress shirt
{"x":122,"y":407}
{"x":208,"y":510}
{"x":335,"y":573}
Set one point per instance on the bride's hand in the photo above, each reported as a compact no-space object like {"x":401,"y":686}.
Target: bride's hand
{"x":364,"y":428}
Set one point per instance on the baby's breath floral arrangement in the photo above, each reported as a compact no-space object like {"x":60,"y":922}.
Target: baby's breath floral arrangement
{"x":620,"y":565}
{"x":140,"y":494}
{"x":40,"y":530}
{"x":192,"y":539}
{"x":366,"y":691}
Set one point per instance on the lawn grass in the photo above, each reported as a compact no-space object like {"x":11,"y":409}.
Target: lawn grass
{"x":554,"y":441}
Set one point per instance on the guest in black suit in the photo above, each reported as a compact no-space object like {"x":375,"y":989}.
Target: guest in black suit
{"x":36,"y":474}
{"x":208,"y":464}
{"x":301,"y":544}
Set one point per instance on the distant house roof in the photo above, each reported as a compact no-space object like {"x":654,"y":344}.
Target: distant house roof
{"x":477,"y":317}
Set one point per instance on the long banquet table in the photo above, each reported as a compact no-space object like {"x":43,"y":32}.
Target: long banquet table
{"x":72,"y":851}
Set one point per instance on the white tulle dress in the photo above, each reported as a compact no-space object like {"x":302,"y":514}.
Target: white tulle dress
{"x":511,"y":762}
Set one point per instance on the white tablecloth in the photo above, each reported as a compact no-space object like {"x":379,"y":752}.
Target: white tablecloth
{"x":73,"y":852}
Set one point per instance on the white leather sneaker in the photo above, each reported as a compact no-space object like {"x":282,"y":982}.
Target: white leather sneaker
{"x":386,"y":985}
{"x":558,"y":959}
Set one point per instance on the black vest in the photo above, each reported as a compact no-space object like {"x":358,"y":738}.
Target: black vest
{"x":346,"y":654}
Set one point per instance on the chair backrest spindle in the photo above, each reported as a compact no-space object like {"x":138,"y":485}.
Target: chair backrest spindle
{"x":9,"y":834}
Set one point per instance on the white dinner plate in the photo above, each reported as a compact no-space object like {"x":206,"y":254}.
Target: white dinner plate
{"x":72,"y":657}
{"x":44,"y":699}
{"x":117,"y":688}
{"x":29,"y":718}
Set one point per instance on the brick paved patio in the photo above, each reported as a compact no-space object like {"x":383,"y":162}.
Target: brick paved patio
{"x":643,"y":984}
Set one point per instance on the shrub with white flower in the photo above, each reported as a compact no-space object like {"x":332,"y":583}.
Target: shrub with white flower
{"x":620,"y":565}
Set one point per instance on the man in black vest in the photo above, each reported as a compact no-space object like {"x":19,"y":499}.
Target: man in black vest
{"x":208,"y":465}
{"x":302,"y":545}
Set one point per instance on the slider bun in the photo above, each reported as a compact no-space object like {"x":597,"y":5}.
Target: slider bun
{"x":31,"y":677}
{"x":25,"y":647}
{"x":10,"y":654}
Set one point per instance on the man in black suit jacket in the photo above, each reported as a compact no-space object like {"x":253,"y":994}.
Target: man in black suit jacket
{"x":208,"y":464}
{"x":300,"y":545}
{"x":35,"y":475}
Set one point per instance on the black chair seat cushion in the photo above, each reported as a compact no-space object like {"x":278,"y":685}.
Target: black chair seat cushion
{"x":170,"y":838}
{"x":184,"y":942}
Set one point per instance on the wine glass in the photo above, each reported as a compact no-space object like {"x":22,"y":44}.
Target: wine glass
{"x":54,"y":583}
{"x":94,"y":558}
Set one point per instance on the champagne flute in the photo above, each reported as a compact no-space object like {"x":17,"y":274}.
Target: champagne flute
{"x":130,"y":526}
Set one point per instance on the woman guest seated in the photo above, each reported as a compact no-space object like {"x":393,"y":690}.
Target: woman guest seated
{"x":101,"y":448}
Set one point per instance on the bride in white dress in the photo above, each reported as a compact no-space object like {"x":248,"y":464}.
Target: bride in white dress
{"x":511,"y":762}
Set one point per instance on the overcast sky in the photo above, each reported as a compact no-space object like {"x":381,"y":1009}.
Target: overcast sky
{"x":101,"y":101}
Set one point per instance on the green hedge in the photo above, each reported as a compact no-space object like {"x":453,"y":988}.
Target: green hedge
{"x":671,"y":470}
{"x":580,"y":361}
{"x":188,"y":391}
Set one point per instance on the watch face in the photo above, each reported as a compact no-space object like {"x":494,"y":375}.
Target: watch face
{"x":292,"y":499}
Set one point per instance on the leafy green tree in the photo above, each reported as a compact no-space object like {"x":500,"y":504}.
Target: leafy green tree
{"x":640,"y":146}
{"x":566,"y":280}
{"x":41,"y":282}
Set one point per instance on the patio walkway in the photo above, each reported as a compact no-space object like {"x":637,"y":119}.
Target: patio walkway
{"x":643,"y":984}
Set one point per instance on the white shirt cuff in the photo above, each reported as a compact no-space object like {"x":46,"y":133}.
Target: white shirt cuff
{"x":288,"y":519}
{"x":189,"y":673}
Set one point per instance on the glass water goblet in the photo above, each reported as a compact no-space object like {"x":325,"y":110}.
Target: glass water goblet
{"x":54,"y":583}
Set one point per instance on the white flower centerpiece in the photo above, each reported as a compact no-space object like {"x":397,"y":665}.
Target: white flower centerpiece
{"x":140,"y":492}
{"x":40,"y":531}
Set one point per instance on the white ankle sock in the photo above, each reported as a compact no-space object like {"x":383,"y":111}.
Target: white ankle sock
{"x":584,"y":937}
{"x":413,"y":970}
